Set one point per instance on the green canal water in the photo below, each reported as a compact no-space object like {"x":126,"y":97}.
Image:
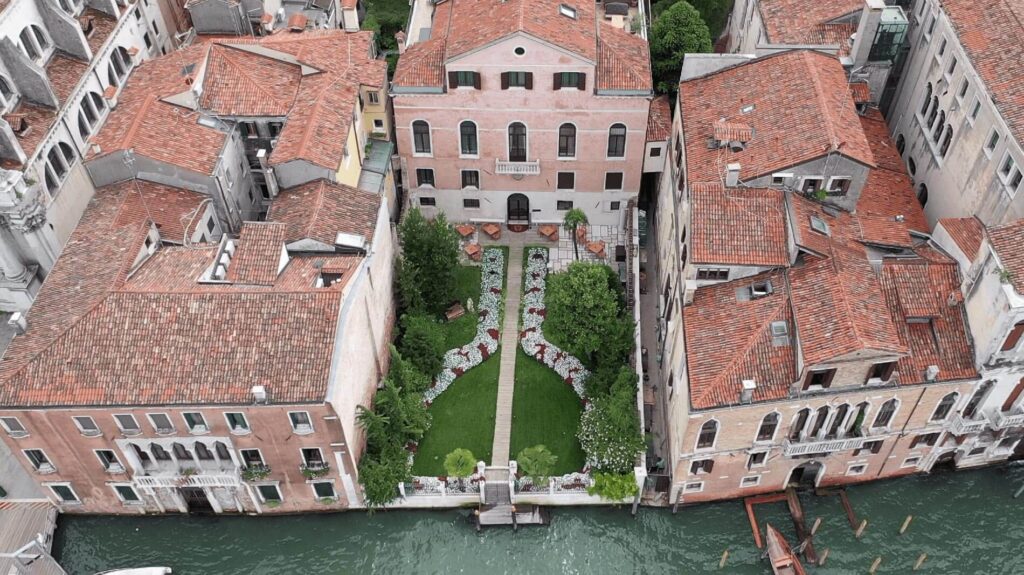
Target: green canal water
{"x":967,"y":522}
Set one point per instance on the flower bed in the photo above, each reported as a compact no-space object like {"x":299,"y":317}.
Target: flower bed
{"x":461,"y":359}
{"x":532,"y":340}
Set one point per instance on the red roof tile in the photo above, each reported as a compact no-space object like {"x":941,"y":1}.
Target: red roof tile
{"x":841,"y":226}
{"x":257,"y":260}
{"x":1008,"y":242}
{"x":320,"y":210}
{"x":800,"y":22}
{"x":991,"y":34}
{"x":659,"y":120}
{"x":888,"y":191}
{"x":839,"y":307}
{"x":64,"y":74}
{"x":240,"y":83}
{"x":173,"y":210}
{"x":968,"y":233}
{"x":789,"y":127}
{"x":738,"y":226}
{"x":103,"y":26}
{"x":624,"y":60}
{"x":729,"y":339}
{"x":39,"y":120}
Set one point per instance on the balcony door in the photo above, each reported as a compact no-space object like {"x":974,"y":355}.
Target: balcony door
{"x":518,"y":210}
{"x":517,"y":142}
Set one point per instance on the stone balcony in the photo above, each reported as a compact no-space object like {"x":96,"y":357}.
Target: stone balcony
{"x":1000,"y":420}
{"x":958,"y":425}
{"x":529,"y":168}
{"x":804,"y":447}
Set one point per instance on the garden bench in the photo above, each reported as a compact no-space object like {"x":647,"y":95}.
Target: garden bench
{"x":455,"y":312}
{"x":493,"y":230}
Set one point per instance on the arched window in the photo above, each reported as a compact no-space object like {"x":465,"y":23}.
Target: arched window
{"x":119,"y":66}
{"x":944,"y":407}
{"x":142,"y":454}
{"x":799,"y":422}
{"x":159,"y":453}
{"x":922,"y":194}
{"x":222,"y":451}
{"x":901,"y":144}
{"x":180,"y":452}
{"x":708,"y":433}
{"x":938,"y":127}
{"x":856,"y":422}
{"x":203,"y":452}
{"x":467,"y":139}
{"x":617,"y":141}
{"x":768,"y":426}
{"x":33,"y":41}
{"x":934,"y":113}
{"x":59,"y":160}
{"x":421,"y":137}
{"x":946,"y":140}
{"x":567,"y":141}
{"x":517,"y":142}
{"x":819,"y":420}
{"x":911,"y":166}
{"x":885,"y":414}
{"x":1011,"y":400}
{"x":89,"y":112}
{"x":927,"y":99}
{"x":837,"y":421}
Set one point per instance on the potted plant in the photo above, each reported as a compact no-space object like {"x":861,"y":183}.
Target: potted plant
{"x":256,"y":472}
{"x":315,"y":471}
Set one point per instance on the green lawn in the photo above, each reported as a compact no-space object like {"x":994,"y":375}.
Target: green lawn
{"x":545,"y":411}
{"x":463,"y":330}
{"x":463,"y":417}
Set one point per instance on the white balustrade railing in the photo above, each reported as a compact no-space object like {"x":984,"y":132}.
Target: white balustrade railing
{"x":507,"y":168}
{"x":961,"y":426}
{"x":823,"y":446}
{"x":1001,"y":420}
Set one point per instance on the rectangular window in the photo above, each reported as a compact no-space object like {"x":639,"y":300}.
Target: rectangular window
{"x":881,"y":372}
{"x":13,"y":427}
{"x":39,"y":460}
{"x":857,"y":469}
{"x":312,"y":457}
{"x":952,"y":66}
{"x":810,"y":185}
{"x":64,"y":493}
{"x":127,"y":424}
{"x":464,"y":79}
{"x":694,"y":487}
{"x":269,"y":492}
{"x":942,"y":47}
{"x":874,"y":447}
{"x":566,"y":180}
{"x":975,"y":110}
{"x":614,"y":206}
{"x":928,"y":439}
{"x":750,"y":481}
{"x":108,"y":459}
{"x":127,"y":494}
{"x":757,"y":459}
{"x":161,"y":423}
{"x":237,"y":422}
{"x":147,"y":40}
{"x":428,"y":201}
{"x":838,"y":186}
{"x":155,"y":28}
{"x":569,"y":80}
{"x":324,"y":489}
{"x":910,"y":461}
{"x":425,"y":177}
{"x":613,"y":181}
{"x":655,"y":152}
{"x":516,"y":79}
{"x":471,"y":204}
{"x":712,"y":274}
{"x":378,"y":124}
{"x":993,"y":141}
{"x":1007,"y":167}
{"x":702,"y":466}
{"x":195,"y":422}
{"x":931,"y":27}
{"x":819,"y":379}
{"x":964,"y":86}
{"x":471,"y":179}
{"x":301,"y":423}
{"x":373,"y":96}
{"x":87,"y":425}
{"x":563,"y":206}
{"x":251,"y":457}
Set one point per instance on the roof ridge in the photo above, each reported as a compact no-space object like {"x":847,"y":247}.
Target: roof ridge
{"x":140,"y":115}
{"x":243,"y":70}
{"x":820,"y":97}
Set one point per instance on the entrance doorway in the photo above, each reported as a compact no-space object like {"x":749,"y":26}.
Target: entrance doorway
{"x":196,"y":500}
{"x":518,"y":210}
{"x":805,"y":475}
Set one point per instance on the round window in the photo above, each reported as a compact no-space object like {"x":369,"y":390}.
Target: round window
{"x":520,"y":51}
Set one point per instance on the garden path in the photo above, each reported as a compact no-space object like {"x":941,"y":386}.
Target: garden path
{"x":509,"y":345}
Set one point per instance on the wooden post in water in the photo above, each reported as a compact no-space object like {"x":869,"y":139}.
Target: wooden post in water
{"x":814,"y":528}
{"x":920,"y":561}
{"x":874,"y":566}
{"x":906,"y":523}
{"x":860,"y":529}
{"x":824,"y":556}
{"x":725,"y":557}
{"x":1019,"y":491}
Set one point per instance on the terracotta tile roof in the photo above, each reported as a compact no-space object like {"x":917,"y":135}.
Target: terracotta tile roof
{"x":841,"y":226}
{"x":318,"y":124}
{"x":888,"y":191}
{"x":884,"y":231}
{"x":968,"y":233}
{"x":738,"y":226}
{"x":789,"y":127}
{"x":240,"y":83}
{"x":916,"y":288}
{"x":993,"y":38}
{"x":861,"y":92}
{"x":171,"y":209}
{"x":802,"y":22}
{"x":39,"y":120}
{"x":1008,"y":242}
{"x":729,"y":339}
{"x":64,"y":74}
{"x":320,"y":210}
{"x":103,"y":25}
{"x":624,"y":60}
{"x":732,"y":131}
{"x":659,"y":120}
{"x":839,"y":307}
{"x":257,"y":259}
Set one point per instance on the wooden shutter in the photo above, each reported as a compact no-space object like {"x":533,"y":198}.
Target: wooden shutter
{"x":557,"y":82}
{"x":1014,"y":395}
{"x":504,"y":80}
{"x":529,"y":80}
{"x":453,"y":79}
{"x":476,"y":80}
{"x":1014,"y":337}
{"x":583,"y":81}
{"x":887,"y":371}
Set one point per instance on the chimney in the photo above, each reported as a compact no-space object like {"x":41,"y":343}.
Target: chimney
{"x":18,"y":322}
{"x":747,"y":395}
{"x":400,"y":38}
{"x":259,"y":394}
{"x":732,"y":175}
{"x":932,"y":373}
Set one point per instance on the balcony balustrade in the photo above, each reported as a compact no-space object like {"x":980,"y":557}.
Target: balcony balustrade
{"x":529,"y":168}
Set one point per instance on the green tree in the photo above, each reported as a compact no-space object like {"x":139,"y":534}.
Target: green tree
{"x":677,"y":31}
{"x":610,"y":432}
{"x":537,"y":462}
{"x":380,"y":474}
{"x":406,"y":375}
{"x":584,"y":315}
{"x":406,"y":416}
{"x":613,"y":486}
{"x":460,"y":463}
{"x":430,"y":257}
{"x":423,"y":342}
{"x":575,"y":218}
{"x":375,"y":425}
{"x":714,"y":13}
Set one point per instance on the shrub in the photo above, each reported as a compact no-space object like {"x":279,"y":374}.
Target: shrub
{"x":677,"y":31}
{"x":381,"y":473}
{"x":610,"y":432}
{"x":537,"y":462}
{"x":460,"y":463}
{"x":407,"y":376}
{"x":423,"y":342}
{"x":613,"y":486}
{"x":584,"y":315}
{"x":430,"y":255}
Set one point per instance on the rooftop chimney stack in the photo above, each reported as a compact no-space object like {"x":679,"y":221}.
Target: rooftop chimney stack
{"x":747,"y":395}
{"x":400,"y":38}
{"x":732,"y":175}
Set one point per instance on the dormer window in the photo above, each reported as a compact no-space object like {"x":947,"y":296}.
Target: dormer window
{"x":819,"y":225}
{"x":327,"y":279}
{"x":838,"y":186}
{"x":881,"y":372}
{"x":567,"y":11}
{"x":819,"y":379}
{"x":760,"y":289}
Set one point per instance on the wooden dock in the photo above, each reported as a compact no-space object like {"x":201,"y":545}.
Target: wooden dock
{"x":511,"y":515}
{"x":796,"y":511}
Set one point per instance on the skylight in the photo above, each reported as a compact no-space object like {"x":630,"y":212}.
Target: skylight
{"x":819,"y":225}
{"x":566,"y":10}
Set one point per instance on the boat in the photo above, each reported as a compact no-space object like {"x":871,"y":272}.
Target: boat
{"x":784,"y":561}
{"x":138,"y":571}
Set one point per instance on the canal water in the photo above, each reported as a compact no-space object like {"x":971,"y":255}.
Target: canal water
{"x":966,"y":522}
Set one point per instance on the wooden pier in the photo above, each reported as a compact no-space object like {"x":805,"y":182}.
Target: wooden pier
{"x":511,"y":516}
{"x":804,"y":537}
